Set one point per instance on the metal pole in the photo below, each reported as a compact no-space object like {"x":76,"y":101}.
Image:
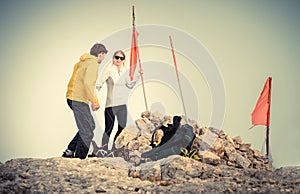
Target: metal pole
{"x":177,"y":75}
{"x":267,"y":141}
{"x":140,"y":64}
{"x":268,"y":121}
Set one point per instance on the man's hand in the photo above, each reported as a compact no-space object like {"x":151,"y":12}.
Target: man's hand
{"x":95,"y":107}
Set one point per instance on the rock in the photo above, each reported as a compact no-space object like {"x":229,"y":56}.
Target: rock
{"x":172,"y":169}
{"x":125,"y":136}
{"x":242,"y":161}
{"x":210,"y":158}
{"x":145,"y":126}
{"x":157,"y":119}
{"x":230,"y":153}
{"x":244,"y":147}
{"x":140,"y":143}
{"x":167,"y":120}
{"x":236,"y":158}
{"x":218,"y":147}
{"x":200,"y":145}
{"x":215,"y":131}
{"x":229,"y":139}
{"x":218,"y":171}
{"x":258,"y":155}
{"x":237,"y":140}
{"x":146,"y":114}
{"x":202,"y":130}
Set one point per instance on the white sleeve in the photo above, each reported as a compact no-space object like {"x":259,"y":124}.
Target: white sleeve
{"x":105,"y":75}
{"x":130,"y":84}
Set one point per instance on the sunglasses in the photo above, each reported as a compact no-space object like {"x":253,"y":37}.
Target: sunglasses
{"x":119,"y":57}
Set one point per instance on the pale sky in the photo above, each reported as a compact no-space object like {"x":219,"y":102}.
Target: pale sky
{"x":225,"y":51}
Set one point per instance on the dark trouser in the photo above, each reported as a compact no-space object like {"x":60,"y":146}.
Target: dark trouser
{"x":86,"y":125}
{"x":110,"y":113}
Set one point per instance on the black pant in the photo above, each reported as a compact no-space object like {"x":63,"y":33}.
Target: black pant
{"x":73,"y":143}
{"x":85,"y":123}
{"x":110,"y":113}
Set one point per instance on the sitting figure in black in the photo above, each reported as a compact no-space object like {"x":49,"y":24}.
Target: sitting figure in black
{"x":175,"y":137}
{"x":168,"y":132}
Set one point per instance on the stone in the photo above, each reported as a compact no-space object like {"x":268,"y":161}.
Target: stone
{"x":125,"y":136}
{"x":146,"y":114}
{"x":230,"y":153}
{"x":242,"y":161}
{"x":244,"y":147}
{"x":237,"y":140}
{"x":157,"y":119}
{"x":200,"y":145}
{"x":218,"y":147}
{"x":145,"y":126}
{"x":202,"y":130}
{"x":167,"y":120}
{"x":258,"y":155}
{"x":229,"y":139}
{"x":210,"y":158}
{"x":215,"y":131}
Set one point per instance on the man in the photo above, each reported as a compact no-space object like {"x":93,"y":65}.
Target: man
{"x":80,"y":93}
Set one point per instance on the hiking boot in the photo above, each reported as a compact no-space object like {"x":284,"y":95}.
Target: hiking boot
{"x":68,"y":154}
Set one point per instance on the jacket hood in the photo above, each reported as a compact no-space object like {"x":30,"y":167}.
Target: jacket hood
{"x":86,"y":56}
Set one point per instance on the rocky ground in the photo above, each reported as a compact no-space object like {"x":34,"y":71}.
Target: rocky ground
{"x":219,"y":164}
{"x":175,"y":174}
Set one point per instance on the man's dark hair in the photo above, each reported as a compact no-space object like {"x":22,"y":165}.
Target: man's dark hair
{"x":98,"y":48}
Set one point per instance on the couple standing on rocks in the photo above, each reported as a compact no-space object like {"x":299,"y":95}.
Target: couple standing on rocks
{"x":82,"y":99}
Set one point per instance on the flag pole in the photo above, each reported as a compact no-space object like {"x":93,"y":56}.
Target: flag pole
{"x":267,"y":142}
{"x":140,"y":64}
{"x":177,"y":75}
{"x":268,"y":123}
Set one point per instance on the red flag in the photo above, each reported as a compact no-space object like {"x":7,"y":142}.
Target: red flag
{"x":133,"y":53}
{"x":261,"y":112}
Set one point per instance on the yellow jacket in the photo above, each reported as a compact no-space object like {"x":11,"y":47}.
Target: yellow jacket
{"x":82,"y":83}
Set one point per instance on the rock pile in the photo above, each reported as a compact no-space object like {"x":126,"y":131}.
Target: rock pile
{"x":213,"y":146}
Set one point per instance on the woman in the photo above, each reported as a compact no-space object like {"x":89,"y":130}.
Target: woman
{"x":118,"y":88}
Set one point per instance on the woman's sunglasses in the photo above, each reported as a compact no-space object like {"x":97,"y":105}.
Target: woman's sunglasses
{"x":119,"y":57}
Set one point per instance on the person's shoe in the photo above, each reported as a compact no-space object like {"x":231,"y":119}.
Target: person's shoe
{"x":101,"y":153}
{"x":92,"y":155}
{"x":68,"y":154}
{"x":104,"y":147}
{"x":111,"y":154}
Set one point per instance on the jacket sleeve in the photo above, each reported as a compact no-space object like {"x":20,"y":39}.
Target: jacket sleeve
{"x":90,"y":78}
{"x":105,"y":75}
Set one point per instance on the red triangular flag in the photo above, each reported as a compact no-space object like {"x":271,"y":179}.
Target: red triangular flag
{"x":133,"y":53}
{"x":261,"y":112}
